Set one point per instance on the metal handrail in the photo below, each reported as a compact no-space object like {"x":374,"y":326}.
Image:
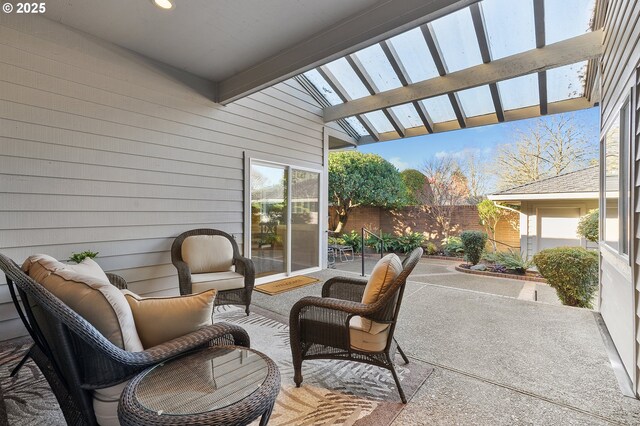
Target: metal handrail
{"x":379,"y":237}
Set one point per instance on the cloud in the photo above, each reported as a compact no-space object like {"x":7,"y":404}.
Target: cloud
{"x":400,"y":165}
{"x":463,"y":153}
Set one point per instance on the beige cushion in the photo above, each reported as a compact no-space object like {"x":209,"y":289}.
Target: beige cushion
{"x":86,"y":289}
{"x":368,"y":341}
{"x":220,"y":281}
{"x":160,"y":319}
{"x":386,"y":270}
{"x":105,"y":404}
{"x":207,"y":253}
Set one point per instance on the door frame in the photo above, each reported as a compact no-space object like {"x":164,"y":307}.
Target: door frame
{"x":251,"y":158}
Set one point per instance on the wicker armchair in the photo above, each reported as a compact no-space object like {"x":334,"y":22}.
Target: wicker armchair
{"x":76,"y":359}
{"x":320,"y":326}
{"x":244,"y":274}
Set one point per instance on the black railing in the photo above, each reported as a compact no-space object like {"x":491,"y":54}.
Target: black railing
{"x":380,"y":241}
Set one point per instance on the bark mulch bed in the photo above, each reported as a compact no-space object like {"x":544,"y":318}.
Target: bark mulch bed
{"x":529,"y":276}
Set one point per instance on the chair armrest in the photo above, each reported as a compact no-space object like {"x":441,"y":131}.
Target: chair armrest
{"x":117,"y":281}
{"x":345,"y":288}
{"x":184,"y":276}
{"x":245,"y":267}
{"x":347,"y":306}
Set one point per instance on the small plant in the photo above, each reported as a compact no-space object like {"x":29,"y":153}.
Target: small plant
{"x":352,"y":239}
{"x":572,"y":271}
{"x":430,"y":248}
{"x":588,"y":226}
{"x":453,"y":246}
{"x":408,"y":242}
{"x":388,"y":242}
{"x":473,"y":243}
{"x":513,"y":261}
{"x":79,"y":257}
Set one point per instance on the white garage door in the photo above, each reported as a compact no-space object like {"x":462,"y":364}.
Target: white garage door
{"x":558,"y":227}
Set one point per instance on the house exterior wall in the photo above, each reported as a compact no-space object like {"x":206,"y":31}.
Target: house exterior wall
{"x":531,"y":220}
{"x":103,"y":149}
{"x":619,"y":275}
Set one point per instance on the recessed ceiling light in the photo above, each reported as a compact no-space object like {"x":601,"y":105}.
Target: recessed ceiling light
{"x":164,"y":4}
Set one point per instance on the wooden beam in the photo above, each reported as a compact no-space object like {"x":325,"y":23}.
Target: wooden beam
{"x":580,"y":48}
{"x":441,"y":66}
{"x":542,"y":92}
{"x":371,"y":25}
{"x":538,"y":17}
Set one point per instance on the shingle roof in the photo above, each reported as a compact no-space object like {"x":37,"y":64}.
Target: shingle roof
{"x":585,"y":180}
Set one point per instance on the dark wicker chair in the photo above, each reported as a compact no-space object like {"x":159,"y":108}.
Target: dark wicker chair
{"x":319,"y":326}
{"x":243,"y":266}
{"x":75,"y":358}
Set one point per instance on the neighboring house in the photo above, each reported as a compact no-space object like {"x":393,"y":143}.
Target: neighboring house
{"x":551,"y":208}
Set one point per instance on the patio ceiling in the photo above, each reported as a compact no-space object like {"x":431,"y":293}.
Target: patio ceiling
{"x":489,"y":62}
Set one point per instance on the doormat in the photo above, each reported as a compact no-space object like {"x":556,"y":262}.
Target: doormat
{"x":280,"y":286}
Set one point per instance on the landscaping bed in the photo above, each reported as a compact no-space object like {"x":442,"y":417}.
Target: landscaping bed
{"x":528,"y":276}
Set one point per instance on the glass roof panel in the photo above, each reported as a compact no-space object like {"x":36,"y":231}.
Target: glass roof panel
{"x":407,"y":115}
{"x":566,"y":82}
{"x":567,"y":18}
{"x":357,"y":126}
{"x":510,"y":26}
{"x":379,"y":121}
{"x":519,"y":92}
{"x":323,"y":87}
{"x":348,"y":78}
{"x":377,"y":65}
{"x":439,"y":109}
{"x":476,"y":101}
{"x":414,"y":55}
{"x":457,"y":40}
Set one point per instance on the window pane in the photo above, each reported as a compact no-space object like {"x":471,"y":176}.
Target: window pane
{"x":323,"y":87}
{"x":625,"y":194}
{"x":566,"y":82}
{"x":379,"y":121}
{"x":566,"y":18}
{"x":439,"y":108}
{"x":510,"y":26}
{"x":476,"y":101}
{"x":407,"y":115}
{"x":457,"y":39}
{"x":348,"y":78}
{"x":519,"y":92}
{"x":415,"y":56}
{"x":377,"y":65}
{"x":612,"y":184}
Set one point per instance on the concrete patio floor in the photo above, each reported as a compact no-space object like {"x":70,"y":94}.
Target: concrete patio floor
{"x":498,"y":359}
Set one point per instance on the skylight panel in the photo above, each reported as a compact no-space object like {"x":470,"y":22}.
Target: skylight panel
{"x":407,"y":115}
{"x":323,"y":87}
{"x":510,"y":26}
{"x":567,"y":18}
{"x":476,"y":101}
{"x":439,"y":109}
{"x":378,"y":67}
{"x":457,"y":40}
{"x":357,"y":126}
{"x":519,"y":92}
{"x":379,"y":121}
{"x":414,"y":54}
{"x":348,"y":78}
{"x":566,"y":82}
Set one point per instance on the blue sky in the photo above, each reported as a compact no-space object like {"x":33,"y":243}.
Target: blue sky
{"x":413,"y":152}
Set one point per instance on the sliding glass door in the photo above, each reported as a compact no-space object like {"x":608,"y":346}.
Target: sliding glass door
{"x":284,"y":225}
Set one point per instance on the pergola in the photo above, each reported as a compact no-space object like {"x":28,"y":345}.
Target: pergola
{"x":489,"y":62}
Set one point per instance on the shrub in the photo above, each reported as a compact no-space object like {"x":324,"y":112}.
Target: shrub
{"x":473,"y":243}
{"x":513,"y":260}
{"x":407,"y":242}
{"x":430,"y":248}
{"x":453,"y":246}
{"x":388,"y":242}
{"x":572,"y":271}
{"x":588,"y":226}
{"x":353,"y":239}
{"x":79,"y":257}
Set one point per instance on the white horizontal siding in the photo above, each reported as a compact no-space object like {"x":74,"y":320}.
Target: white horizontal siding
{"x":106,"y":150}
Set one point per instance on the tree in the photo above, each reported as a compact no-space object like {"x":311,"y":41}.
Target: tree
{"x":448,"y":187}
{"x":548,"y":148}
{"x":490,"y":214}
{"x":474,"y":168}
{"x":416,"y":184}
{"x":357,"y":179}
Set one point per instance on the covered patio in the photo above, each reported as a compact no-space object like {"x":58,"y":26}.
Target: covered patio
{"x":125,"y":124}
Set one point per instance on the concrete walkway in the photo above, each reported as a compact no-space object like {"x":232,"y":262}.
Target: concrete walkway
{"x":498,"y":359}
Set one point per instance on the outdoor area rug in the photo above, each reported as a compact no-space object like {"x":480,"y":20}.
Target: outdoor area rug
{"x":332,"y":393}
{"x":280,"y":286}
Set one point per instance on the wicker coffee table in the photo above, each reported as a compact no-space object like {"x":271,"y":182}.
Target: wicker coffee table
{"x":220,"y":385}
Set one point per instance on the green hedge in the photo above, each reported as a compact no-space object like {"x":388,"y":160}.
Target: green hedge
{"x":473,"y":243}
{"x":572,"y":271}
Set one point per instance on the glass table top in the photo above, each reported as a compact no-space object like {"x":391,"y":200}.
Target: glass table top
{"x":203,"y":381}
